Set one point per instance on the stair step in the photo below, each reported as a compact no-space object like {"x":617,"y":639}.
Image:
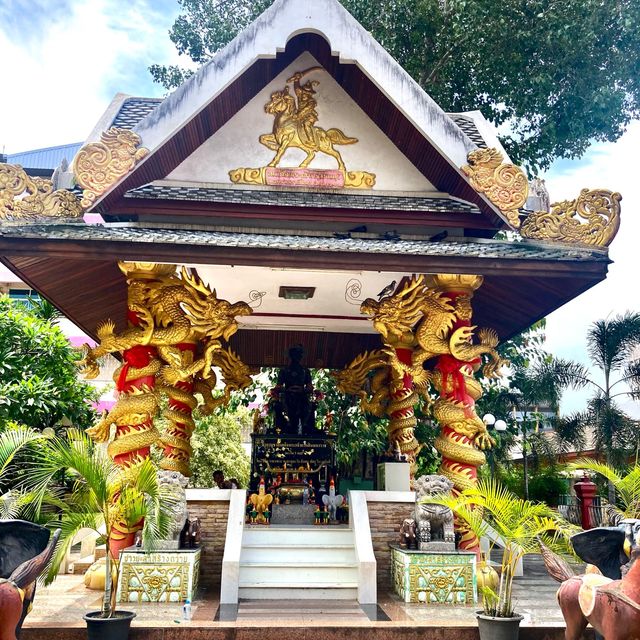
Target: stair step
{"x":284,"y":545}
{"x":80,"y":566}
{"x":287,"y":554}
{"x":300,"y":565}
{"x":313,"y":610}
{"x":298,"y":585}
{"x":269,"y":592}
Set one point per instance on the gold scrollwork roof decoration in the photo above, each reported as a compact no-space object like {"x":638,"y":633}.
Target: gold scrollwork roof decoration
{"x":505,"y":184}
{"x":593,"y":219}
{"x":23,"y":197}
{"x":98,"y":165}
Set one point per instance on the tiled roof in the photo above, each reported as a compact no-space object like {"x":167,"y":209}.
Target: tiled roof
{"x":48,"y":158}
{"x":469,"y":127}
{"x":133,"y":110}
{"x":304,"y":199}
{"x":469,"y":248}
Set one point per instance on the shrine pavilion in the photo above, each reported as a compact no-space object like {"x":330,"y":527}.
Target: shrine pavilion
{"x":300,"y":189}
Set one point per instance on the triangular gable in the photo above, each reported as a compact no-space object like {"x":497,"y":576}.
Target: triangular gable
{"x":237,"y":143}
{"x":429,"y":138}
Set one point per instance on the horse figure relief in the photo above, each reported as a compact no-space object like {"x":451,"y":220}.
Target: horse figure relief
{"x":294,"y":124}
{"x":295,"y":114}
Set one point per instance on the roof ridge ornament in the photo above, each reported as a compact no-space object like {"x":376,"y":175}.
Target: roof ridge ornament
{"x":99,"y":165}
{"x":23,"y":197}
{"x":294,"y":126}
{"x":598,"y":208}
{"x":505,"y":184}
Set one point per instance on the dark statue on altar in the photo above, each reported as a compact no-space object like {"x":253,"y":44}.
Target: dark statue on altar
{"x":293,"y":404}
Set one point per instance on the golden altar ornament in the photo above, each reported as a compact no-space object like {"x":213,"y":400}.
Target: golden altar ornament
{"x":23,"y":197}
{"x":593,"y":218}
{"x":294,"y":126}
{"x":261,"y":502}
{"x":505,"y":184}
{"x":98,"y":165}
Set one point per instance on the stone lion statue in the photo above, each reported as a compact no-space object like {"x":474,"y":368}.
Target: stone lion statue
{"x":175,"y":483}
{"x":434,"y":522}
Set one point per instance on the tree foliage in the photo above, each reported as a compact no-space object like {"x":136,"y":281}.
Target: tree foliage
{"x":39,"y":385}
{"x":217,"y":444}
{"x":611,"y":344}
{"x":557,"y":75}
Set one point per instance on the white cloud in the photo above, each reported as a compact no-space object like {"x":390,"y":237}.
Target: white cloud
{"x":611,"y":166}
{"x":66,"y":69}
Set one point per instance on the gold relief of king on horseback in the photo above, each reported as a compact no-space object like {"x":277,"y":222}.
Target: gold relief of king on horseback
{"x":294,"y":126}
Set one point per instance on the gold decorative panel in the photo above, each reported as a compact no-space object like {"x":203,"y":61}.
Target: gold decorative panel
{"x":23,"y":197}
{"x":294,"y":126}
{"x":434,"y":578}
{"x":593,"y":218}
{"x":158,"y":576}
{"x":98,"y":165}
{"x":503,"y":183}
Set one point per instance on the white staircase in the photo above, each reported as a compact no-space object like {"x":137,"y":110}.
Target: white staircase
{"x":289,"y":562}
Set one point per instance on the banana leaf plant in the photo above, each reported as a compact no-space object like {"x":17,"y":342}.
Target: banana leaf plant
{"x":101,"y":496}
{"x":516,"y":524}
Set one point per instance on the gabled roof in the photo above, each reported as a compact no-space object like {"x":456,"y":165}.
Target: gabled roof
{"x":421,"y":130}
{"x":46,"y":158}
{"x":523,"y":281}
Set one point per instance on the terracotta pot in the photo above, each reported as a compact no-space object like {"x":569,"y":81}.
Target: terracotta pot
{"x":492,"y":628}
{"x":114,"y":628}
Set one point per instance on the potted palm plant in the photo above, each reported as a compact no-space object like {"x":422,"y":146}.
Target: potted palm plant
{"x":490,"y":509}
{"x":101,"y":496}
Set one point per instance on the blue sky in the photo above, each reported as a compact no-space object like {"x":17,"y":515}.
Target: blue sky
{"x":65,"y":60}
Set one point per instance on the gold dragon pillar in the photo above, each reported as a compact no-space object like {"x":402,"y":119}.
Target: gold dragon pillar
{"x":135,"y":380}
{"x":463,"y":435}
{"x":180,"y":424}
{"x":402,"y":399}
{"x":395,"y":317}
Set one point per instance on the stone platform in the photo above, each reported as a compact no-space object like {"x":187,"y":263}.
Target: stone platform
{"x":58,"y":611}
{"x":158,"y":576}
{"x":434,"y":577}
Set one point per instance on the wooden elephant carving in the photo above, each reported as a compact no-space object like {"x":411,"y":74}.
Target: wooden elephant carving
{"x":611,"y":606}
{"x":24,"y":554}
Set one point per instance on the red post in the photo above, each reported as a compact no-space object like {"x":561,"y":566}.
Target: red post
{"x":586,"y":492}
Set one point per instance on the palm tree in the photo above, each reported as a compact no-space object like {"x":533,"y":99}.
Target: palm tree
{"x":530,"y":388}
{"x":102,"y":496}
{"x":13,"y":441}
{"x":611,"y":344}
{"x":519,"y":524}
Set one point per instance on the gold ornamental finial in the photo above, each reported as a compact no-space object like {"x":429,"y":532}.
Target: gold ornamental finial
{"x":98,"y":165}
{"x":454,"y":282}
{"x":592,"y":219}
{"x":141,"y":270}
{"x":505,"y":184}
{"x":23,"y":197}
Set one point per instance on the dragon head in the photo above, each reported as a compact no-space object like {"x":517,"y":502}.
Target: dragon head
{"x":210,"y":316}
{"x":489,"y":158}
